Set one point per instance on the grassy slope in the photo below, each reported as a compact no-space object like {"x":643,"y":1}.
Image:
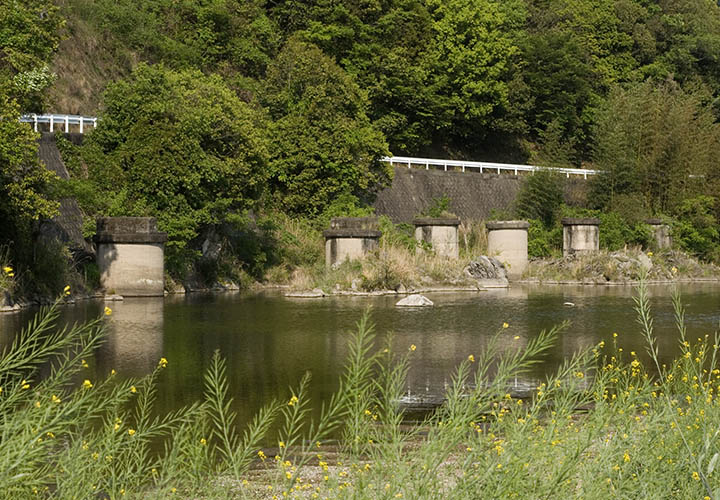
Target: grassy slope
{"x":85,"y":62}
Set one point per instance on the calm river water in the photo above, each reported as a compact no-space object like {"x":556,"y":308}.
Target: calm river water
{"x":270,"y":341}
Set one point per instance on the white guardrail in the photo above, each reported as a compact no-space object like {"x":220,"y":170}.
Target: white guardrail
{"x":62,"y":121}
{"x":65,"y":121}
{"x":481,"y":166}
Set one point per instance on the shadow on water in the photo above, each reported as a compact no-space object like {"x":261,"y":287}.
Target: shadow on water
{"x":270,"y":341}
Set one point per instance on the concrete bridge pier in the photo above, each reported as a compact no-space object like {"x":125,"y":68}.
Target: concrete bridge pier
{"x":661,"y":233}
{"x":130,"y":255}
{"x":580,"y":235}
{"x":350,"y":238}
{"x":440,"y":233}
{"x":508,"y":242}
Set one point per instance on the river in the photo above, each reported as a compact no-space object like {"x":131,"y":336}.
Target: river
{"x":270,"y":341}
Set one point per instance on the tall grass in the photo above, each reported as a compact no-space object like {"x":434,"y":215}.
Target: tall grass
{"x":605,"y":425}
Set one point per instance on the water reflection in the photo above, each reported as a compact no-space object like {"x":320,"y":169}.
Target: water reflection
{"x":134,"y":341}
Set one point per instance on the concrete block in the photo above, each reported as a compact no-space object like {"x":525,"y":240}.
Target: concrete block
{"x":440,"y":233}
{"x":580,"y":235}
{"x":508,"y":242}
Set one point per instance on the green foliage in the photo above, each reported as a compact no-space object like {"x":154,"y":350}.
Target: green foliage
{"x":617,"y":233}
{"x":697,"y":229}
{"x":470,"y":61}
{"x":179,"y":146}
{"x":29,"y":35}
{"x":225,"y":36}
{"x":24,"y":192}
{"x":543,"y":241}
{"x":402,"y":235}
{"x":650,"y":140}
{"x":323,"y":146}
{"x":438,"y":207}
{"x":23,"y":179}
{"x":541,"y":197}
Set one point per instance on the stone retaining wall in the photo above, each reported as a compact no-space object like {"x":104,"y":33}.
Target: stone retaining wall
{"x":473,"y":196}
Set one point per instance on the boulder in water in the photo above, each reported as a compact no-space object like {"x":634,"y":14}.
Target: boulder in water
{"x":415,"y":300}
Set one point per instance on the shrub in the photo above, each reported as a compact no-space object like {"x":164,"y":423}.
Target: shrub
{"x":543,"y":242}
{"x":541,"y":197}
{"x":438,"y":207}
{"x":696,"y":229}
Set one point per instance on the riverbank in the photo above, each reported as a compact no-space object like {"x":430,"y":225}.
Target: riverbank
{"x":417,"y":273}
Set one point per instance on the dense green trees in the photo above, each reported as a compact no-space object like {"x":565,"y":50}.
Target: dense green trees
{"x":657,"y":143}
{"x":224,"y":105}
{"x":179,"y":146}
{"x":323,"y":146}
{"x":456,"y":78}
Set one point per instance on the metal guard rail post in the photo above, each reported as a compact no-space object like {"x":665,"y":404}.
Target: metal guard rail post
{"x":63,"y":120}
{"x":482,"y":166}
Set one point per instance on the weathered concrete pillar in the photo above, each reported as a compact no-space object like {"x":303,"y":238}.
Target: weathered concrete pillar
{"x":508,"y":242}
{"x":580,"y":235}
{"x":130,"y":255}
{"x":661,"y":233}
{"x":350,"y":238}
{"x":440,"y":233}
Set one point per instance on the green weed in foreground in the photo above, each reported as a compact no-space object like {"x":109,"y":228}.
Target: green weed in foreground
{"x":603,"y":426}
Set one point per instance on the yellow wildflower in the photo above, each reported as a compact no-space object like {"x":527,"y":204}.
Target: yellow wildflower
{"x":133,"y":389}
{"x":7,"y":269}
{"x":262,"y":456}
{"x":471,"y":358}
{"x":413,"y":347}
{"x":162,"y":363}
{"x":696,"y":476}
{"x":505,"y":325}
{"x":87,"y":384}
{"x":281,"y":444}
{"x":203,"y":441}
{"x":293,"y":401}
{"x":107,"y":311}
{"x":66,"y":290}
{"x":131,"y":432}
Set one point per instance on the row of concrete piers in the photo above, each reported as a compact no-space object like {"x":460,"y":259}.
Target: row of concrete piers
{"x":130,"y":250}
{"x":353,"y":237}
